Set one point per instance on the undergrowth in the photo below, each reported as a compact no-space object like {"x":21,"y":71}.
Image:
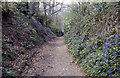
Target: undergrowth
{"x":92,"y":36}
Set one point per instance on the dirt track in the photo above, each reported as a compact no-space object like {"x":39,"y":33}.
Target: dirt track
{"x":54,"y":60}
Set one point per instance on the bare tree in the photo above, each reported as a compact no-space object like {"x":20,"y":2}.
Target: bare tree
{"x":45,"y":11}
{"x":50,"y":8}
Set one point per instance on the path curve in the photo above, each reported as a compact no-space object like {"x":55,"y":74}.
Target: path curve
{"x":54,"y":60}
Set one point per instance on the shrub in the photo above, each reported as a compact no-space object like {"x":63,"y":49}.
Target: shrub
{"x":94,"y":46}
{"x":40,"y":17}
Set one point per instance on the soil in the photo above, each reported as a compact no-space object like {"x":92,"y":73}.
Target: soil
{"x":53,"y":59}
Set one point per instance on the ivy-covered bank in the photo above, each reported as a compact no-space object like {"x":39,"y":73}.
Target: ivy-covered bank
{"x":24,"y":31}
{"x":92,"y":35}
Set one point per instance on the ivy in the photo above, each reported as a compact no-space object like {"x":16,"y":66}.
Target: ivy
{"x":92,"y":38}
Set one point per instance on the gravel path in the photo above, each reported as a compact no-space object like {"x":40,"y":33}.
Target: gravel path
{"x":53,"y":60}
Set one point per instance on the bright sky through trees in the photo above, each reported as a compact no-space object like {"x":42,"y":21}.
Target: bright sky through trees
{"x":65,"y":1}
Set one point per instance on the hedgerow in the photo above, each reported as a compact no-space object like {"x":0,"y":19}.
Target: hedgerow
{"x":92,"y":36}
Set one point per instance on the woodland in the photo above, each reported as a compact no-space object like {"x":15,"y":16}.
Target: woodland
{"x":91,"y":32}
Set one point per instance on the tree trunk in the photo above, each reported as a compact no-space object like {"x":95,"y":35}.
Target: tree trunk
{"x":45,"y":12}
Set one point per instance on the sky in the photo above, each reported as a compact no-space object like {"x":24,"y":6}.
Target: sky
{"x":66,"y":1}
{"x":71,"y":1}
